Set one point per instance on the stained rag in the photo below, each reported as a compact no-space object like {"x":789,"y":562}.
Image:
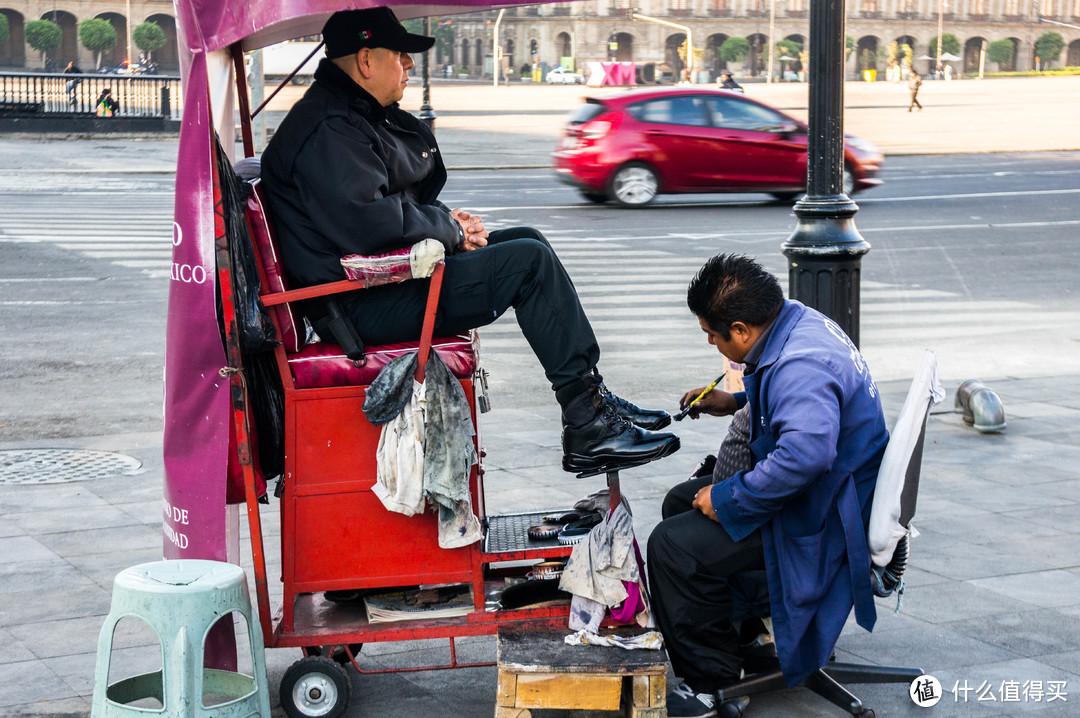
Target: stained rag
{"x":425,"y":450}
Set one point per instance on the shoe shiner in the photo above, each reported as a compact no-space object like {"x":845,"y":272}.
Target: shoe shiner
{"x":798,"y":507}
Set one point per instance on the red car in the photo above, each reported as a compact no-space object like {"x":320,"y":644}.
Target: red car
{"x":631,"y":146}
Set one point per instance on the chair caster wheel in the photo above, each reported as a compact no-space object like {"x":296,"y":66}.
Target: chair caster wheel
{"x":868,"y":713}
{"x":733,"y":707}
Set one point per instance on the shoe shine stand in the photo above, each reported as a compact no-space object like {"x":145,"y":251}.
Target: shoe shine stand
{"x":537,"y":669}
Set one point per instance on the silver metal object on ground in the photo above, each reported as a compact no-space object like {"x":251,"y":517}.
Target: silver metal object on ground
{"x":980,"y":406}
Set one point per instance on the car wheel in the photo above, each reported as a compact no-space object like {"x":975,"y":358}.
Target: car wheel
{"x":786,"y":196}
{"x":595,"y":197}
{"x":634,"y":185}
{"x":849,"y":181}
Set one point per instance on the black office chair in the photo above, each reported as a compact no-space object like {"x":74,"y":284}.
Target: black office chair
{"x":890,"y":528}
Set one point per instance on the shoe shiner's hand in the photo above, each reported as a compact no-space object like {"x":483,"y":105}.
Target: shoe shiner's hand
{"x":703,"y":502}
{"x":715,"y":403}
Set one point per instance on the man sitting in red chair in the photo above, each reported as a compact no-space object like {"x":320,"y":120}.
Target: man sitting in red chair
{"x":349,"y":172}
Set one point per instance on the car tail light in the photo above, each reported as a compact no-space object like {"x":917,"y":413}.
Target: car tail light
{"x":596,"y":129}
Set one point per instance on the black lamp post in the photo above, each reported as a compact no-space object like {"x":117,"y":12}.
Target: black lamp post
{"x":427,"y":114}
{"x":825,"y":250}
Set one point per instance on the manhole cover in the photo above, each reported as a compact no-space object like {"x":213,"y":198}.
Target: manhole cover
{"x":61,"y":466}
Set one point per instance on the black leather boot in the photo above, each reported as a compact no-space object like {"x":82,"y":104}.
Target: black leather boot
{"x":651,"y":419}
{"x":609,"y":442}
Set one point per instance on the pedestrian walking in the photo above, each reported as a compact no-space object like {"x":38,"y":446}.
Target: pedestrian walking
{"x":914,"y":83}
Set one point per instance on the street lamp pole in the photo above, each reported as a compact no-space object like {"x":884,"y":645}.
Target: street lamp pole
{"x":127,"y":26}
{"x":940,"y":21}
{"x":825,"y":250}
{"x":427,"y":114}
{"x":772,"y":40}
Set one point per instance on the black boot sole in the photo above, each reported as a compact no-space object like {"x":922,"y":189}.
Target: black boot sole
{"x":586,"y":466}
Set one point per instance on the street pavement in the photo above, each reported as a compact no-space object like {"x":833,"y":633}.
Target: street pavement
{"x":992,"y":603}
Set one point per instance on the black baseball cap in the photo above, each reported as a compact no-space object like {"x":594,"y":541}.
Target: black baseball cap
{"x":348,"y":31}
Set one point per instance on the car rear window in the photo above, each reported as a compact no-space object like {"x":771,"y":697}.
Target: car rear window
{"x":684,"y":110}
{"x":586,"y":112}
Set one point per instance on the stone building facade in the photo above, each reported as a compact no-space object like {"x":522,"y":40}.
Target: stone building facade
{"x":601,"y":30}
{"x":15,"y":54}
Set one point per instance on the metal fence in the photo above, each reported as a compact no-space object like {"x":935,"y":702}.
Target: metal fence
{"x":41,"y":95}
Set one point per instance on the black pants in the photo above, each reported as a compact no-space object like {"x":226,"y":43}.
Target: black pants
{"x":914,"y":100}
{"x":692,"y":561}
{"x":517,"y":269}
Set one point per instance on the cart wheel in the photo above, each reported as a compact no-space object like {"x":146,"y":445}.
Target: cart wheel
{"x":315,"y":687}
{"x":339,"y":654}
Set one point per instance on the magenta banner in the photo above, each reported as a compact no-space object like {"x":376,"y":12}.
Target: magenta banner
{"x":196,"y":397}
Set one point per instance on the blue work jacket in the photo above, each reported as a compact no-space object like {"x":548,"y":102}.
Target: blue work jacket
{"x":817,"y":438}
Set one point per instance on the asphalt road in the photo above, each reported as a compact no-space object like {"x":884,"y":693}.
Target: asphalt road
{"x":973,"y":255}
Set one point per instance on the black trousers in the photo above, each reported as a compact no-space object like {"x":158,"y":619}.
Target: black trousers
{"x":691,"y":563}
{"x":517,"y":269}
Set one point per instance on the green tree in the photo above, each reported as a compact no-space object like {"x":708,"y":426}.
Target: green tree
{"x":949,"y":44}
{"x":444,"y":38}
{"x":44,"y":36}
{"x":788,"y":47}
{"x":5,"y":30}
{"x":97,"y":35}
{"x":1048,"y":47}
{"x":892,"y":52}
{"x":1001,"y":51}
{"x":908,"y":54}
{"x":849,"y":46}
{"x":868,"y":59}
{"x":735,"y":49}
{"x":148,"y":37}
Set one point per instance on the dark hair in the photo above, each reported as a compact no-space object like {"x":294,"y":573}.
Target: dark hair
{"x":734,"y":288}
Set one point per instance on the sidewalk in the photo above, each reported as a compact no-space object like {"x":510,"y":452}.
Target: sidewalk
{"x":993,"y":588}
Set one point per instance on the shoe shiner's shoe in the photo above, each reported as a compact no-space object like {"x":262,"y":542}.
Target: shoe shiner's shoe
{"x":684,"y":702}
{"x":651,"y":419}
{"x":609,"y":443}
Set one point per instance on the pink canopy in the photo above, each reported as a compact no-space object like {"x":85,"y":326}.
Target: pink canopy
{"x":197,"y":412}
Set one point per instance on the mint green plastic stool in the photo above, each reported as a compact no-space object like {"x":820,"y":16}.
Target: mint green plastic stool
{"x":181,"y":601}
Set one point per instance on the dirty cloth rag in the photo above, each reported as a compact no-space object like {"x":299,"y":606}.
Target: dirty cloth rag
{"x":651,"y":640}
{"x":425,"y":450}
{"x":597,"y":568}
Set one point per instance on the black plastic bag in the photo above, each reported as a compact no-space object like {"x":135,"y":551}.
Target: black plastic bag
{"x":253,"y":324}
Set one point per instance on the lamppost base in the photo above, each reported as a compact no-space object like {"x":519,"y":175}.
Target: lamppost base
{"x":825,"y":260}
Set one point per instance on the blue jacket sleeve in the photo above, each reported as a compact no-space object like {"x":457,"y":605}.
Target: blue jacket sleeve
{"x":803,"y":407}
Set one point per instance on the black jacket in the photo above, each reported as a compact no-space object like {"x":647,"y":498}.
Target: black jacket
{"x":344,"y":175}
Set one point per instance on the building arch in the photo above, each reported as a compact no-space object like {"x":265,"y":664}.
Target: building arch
{"x":168,"y":55}
{"x":713,"y":62}
{"x":972,"y":49}
{"x":759,"y":54}
{"x":1072,"y":57}
{"x":13,"y":51}
{"x":625,"y":50}
{"x":671,"y":54}
{"x":116,"y":54}
{"x":69,"y":46}
{"x":464,"y":61}
{"x":866,"y":53}
{"x":1011,"y":65}
{"x":563,"y":46}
